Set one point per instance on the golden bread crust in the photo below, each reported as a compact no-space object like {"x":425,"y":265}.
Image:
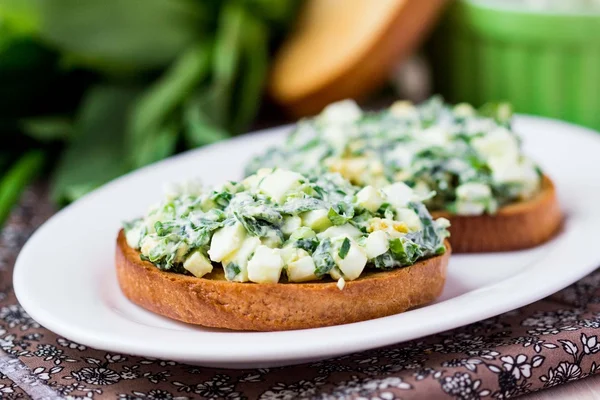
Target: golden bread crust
{"x":377,"y":36}
{"x":217,"y":303}
{"x":516,"y":226}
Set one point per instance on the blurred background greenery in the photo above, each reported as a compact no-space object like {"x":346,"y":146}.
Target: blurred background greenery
{"x":97,"y":88}
{"x":92,"y":89}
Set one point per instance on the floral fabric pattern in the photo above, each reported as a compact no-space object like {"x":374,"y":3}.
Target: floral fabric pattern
{"x":9,"y":390}
{"x":551,"y":342}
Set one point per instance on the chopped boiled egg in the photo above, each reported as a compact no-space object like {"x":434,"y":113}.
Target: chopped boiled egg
{"x":369,"y":198}
{"x":241,"y":258}
{"x":226,"y":240}
{"x":376,"y":244}
{"x":353,"y":261}
{"x":392,"y":227}
{"x":341,"y":230}
{"x":291,"y":224}
{"x":398,"y":194}
{"x":317,"y":220}
{"x":301,"y":268}
{"x":265,"y":266}
{"x":410,"y":218}
{"x":278,"y":183}
{"x":341,"y":112}
{"x":198,"y":264}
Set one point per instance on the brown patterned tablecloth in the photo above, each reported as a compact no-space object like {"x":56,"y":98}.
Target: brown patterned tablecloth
{"x":548,"y":343}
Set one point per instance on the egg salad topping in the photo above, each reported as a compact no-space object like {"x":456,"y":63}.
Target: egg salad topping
{"x":278,"y":225}
{"x":470,"y":158}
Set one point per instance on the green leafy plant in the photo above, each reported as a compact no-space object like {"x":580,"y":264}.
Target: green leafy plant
{"x":101,"y":87}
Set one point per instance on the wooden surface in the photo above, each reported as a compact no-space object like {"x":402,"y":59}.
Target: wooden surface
{"x":584,"y":389}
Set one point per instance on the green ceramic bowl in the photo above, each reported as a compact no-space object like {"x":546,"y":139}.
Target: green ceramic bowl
{"x":544,"y":63}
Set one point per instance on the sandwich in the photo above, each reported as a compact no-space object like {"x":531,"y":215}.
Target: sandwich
{"x":281,"y":250}
{"x":466,"y":164}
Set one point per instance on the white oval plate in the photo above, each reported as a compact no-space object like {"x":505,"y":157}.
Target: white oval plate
{"x":65,"y":277}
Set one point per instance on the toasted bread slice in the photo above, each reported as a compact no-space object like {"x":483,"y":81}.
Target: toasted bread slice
{"x":516,"y":226}
{"x":214,"y":302}
{"x":344,"y":49}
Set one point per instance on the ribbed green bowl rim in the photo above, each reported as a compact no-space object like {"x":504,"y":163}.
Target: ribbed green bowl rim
{"x":520,"y":24}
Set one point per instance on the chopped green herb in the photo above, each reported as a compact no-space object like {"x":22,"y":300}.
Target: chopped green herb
{"x":405,"y":251}
{"x":437,"y":149}
{"x":309,"y":245}
{"x":231,"y":271}
{"x":344,"y":248}
{"x":322,"y":257}
{"x":241,"y":223}
{"x":340,"y":213}
{"x":222,"y":199}
{"x":385,"y":261}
